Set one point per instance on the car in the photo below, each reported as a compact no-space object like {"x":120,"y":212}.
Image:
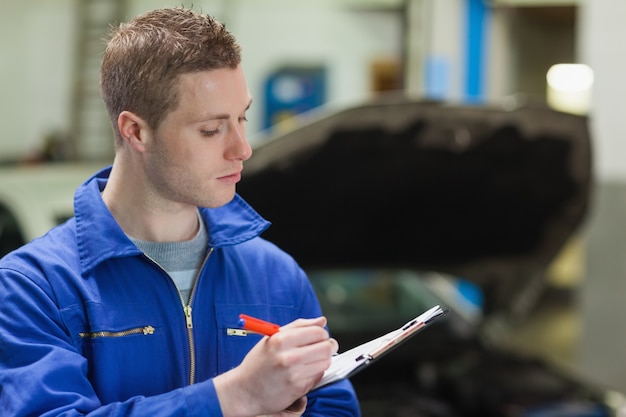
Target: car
{"x":397,"y":204}
{"x":34,"y":197}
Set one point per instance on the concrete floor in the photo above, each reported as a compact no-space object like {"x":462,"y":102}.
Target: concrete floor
{"x":602,"y":345}
{"x":583,"y":328}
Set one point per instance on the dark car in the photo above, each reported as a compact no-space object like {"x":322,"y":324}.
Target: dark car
{"x":396,"y":205}
{"x":393,"y":206}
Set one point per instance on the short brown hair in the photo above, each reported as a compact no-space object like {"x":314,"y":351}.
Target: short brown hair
{"x":145,"y":56}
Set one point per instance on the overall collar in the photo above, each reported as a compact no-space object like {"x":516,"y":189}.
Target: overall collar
{"x":99,"y":237}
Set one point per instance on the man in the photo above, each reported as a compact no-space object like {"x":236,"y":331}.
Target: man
{"x":131,"y":307}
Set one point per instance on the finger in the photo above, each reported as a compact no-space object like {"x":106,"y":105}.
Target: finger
{"x":316,"y":352}
{"x":335,"y":345}
{"x":298,"y":406}
{"x":298,"y":337}
{"x":317,"y":321}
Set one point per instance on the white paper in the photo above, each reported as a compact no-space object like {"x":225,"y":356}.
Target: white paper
{"x":346,"y":363}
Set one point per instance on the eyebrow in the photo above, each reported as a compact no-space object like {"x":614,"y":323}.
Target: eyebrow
{"x":226,"y":116}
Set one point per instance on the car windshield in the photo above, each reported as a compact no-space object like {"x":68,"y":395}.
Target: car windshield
{"x":370,"y":299}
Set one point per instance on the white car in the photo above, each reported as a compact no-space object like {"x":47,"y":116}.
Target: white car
{"x":36,"y":197}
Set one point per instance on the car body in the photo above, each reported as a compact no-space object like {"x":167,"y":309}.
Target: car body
{"x":395,"y":205}
{"x":476,"y":191}
{"x":35,"y":197}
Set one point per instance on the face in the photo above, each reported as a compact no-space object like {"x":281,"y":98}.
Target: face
{"x":196,"y":155}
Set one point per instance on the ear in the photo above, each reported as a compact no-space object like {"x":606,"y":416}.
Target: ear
{"x":134,"y":130}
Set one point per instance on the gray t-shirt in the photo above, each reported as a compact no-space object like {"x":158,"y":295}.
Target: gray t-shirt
{"x":181,"y":260}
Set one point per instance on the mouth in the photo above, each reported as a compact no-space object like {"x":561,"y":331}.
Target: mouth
{"x":231,"y":178}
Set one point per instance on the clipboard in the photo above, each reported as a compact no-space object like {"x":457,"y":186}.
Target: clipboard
{"x":358,"y":358}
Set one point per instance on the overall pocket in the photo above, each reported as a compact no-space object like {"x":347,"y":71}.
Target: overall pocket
{"x":234,"y":344}
{"x":126,"y":349}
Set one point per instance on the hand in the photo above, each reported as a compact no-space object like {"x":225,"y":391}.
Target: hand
{"x":278,"y":371}
{"x":294,"y":410}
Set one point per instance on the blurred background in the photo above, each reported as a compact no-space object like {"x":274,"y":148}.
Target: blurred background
{"x":301,"y":54}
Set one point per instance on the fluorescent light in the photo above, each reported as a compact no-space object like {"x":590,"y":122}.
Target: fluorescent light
{"x":569,"y":87}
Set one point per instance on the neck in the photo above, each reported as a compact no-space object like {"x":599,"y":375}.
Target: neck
{"x":144,"y":215}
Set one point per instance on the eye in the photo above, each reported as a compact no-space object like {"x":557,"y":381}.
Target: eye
{"x":209,"y":133}
{"x":243,"y":119}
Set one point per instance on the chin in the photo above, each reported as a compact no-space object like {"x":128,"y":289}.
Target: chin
{"x":217,"y":201}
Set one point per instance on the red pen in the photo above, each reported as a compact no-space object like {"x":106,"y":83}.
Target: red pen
{"x":257,"y":325}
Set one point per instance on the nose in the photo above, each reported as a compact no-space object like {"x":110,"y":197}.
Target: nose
{"x":238,"y":148}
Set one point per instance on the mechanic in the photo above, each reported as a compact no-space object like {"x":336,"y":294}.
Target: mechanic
{"x":132,"y":306}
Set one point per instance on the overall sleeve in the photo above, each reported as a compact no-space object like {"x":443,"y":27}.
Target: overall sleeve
{"x":43,"y":374}
{"x":337,"y":399}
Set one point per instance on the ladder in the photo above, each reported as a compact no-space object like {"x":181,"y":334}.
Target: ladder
{"x":90,"y":129}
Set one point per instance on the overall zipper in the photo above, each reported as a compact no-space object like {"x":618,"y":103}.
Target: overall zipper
{"x":189,"y":321}
{"x":146,"y":330}
{"x":187,"y":314}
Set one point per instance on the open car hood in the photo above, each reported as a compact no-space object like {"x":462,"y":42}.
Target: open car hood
{"x":477,"y":192}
